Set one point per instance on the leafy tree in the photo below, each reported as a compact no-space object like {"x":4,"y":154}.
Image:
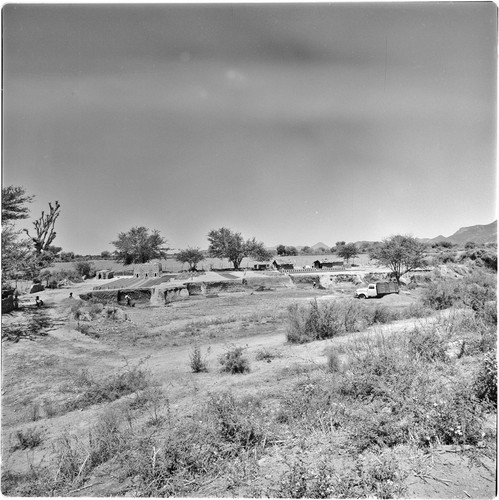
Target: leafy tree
{"x":14,"y":200}
{"x":281,"y":250}
{"x":348,"y":251}
{"x":291,"y":250}
{"x":84,"y":268}
{"x":137,"y":246}
{"x":17,"y":255}
{"x":16,"y":252}
{"x":401,"y":253}
{"x":306,"y":250}
{"x":339,"y":244}
{"x":105,"y":254}
{"x":193,"y":256}
{"x":226,"y":244}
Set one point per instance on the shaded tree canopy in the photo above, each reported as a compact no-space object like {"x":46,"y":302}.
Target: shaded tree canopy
{"x":192,"y":256}
{"x":138,"y":246}
{"x":226,"y":244}
{"x":400,"y":253}
{"x":14,"y":200}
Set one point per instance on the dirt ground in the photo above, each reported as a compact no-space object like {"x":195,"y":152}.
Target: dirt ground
{"x":162,"y":338}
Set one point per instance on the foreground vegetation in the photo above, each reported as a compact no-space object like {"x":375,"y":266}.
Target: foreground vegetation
{"x":359,"y":423}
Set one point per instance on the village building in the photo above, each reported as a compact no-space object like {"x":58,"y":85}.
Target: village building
{"x":148,"y":270}
{"x":104,"y":274}
{"x":261,"y":266}
{"x":325,"y":264}
{"x":282,"y":264}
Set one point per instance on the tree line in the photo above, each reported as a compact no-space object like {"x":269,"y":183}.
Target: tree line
{"x":27,"y":257}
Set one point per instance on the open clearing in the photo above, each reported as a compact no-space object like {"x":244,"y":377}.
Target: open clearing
{"x":43,"y":379}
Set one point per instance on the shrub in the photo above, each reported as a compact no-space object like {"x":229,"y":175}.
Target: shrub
{"x":315,"y":322}
{"x":485,"y":381}
{"x":197,"y":362}
{"x":234,"y":362}
{"x":427,"y":344}
{"x":441,"y":294}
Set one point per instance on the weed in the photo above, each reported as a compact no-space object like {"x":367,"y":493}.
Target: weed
{"x":197,"y":361}
{"x":233,"y":361}
{"x":333,"y":361}
{"x":372,"y":476}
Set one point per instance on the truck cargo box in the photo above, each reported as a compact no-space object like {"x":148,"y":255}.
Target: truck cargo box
{"x":384,"y":288}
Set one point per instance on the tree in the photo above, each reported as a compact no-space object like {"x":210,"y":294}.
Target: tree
{"x":45,"y":229}
{"x":226,"y":244}
{"x":84,"y":268}
{"x":348,"y":251}
{"x":105,"y":254}
{"x":137,"y":246}
{"x":281,"y":250}
{"x":16,"y":253}
{"x":306,"y":250}
{"x":14,"y":200}
{"x":67,"y":256}
{"x":291,"y":250}
{"x":192,"y":256}
{"x":401,"y":253}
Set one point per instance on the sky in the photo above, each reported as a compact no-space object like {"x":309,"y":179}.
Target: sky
{"x":292,"y":123}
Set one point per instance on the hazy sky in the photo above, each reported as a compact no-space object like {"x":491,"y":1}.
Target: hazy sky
{"x":293,"y":123}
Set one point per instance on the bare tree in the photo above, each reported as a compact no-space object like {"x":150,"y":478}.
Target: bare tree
{"x":45,"y":229}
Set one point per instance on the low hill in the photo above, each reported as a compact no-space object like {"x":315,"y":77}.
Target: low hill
{"x":479,"y":234}
{"x":319,"y":245}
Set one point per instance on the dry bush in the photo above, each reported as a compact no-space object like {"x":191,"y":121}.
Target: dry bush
{"x":27,"y":439}
{"x":233,"y":361}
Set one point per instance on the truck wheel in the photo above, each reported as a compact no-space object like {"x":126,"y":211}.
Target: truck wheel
{"x":362,"y":296}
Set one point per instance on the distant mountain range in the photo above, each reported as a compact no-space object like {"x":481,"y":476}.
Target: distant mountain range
{"x":479,"y":234}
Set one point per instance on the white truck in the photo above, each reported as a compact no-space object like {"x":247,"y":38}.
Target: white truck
{"x":378,"y":289}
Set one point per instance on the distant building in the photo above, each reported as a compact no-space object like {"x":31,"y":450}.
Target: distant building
{"x":325,"y":264}
{"x":104,"y":274}
{"x":261,"y":266}
{"x":148,"y":270}
{"x":281,"y":264}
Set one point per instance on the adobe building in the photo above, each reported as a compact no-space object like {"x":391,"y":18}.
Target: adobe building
{"x":148,"y":270}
